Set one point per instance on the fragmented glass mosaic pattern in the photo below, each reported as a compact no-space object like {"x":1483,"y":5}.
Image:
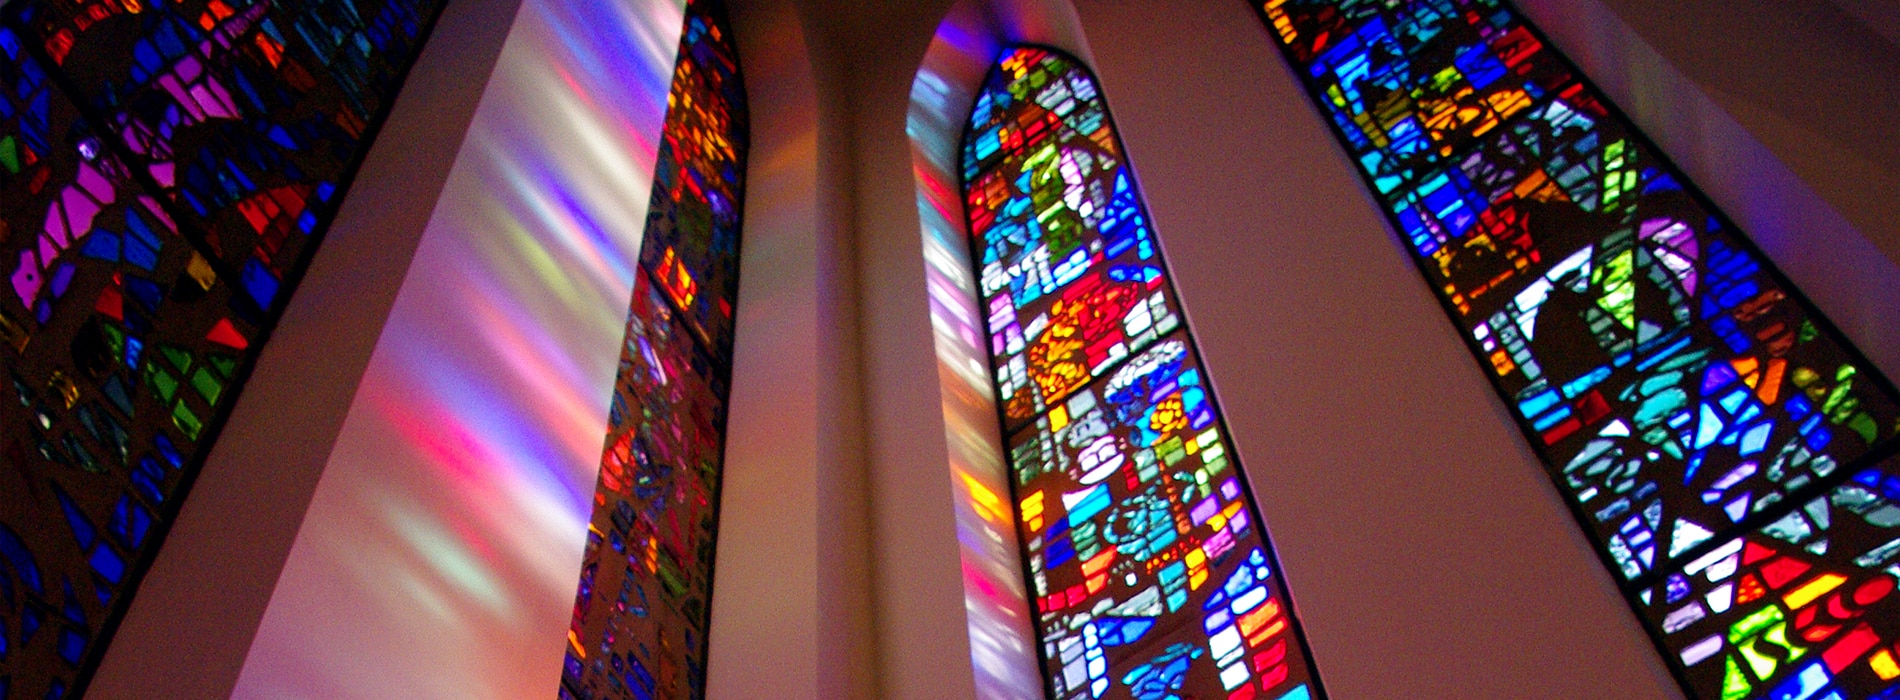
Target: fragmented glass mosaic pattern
{"x":1151,"y":572}
{"x":642,"y":612}
{"x":1681,"y":392}
{"x":164,"y":168}
{"x":1803,"y":607}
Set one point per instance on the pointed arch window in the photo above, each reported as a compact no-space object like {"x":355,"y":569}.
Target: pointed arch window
{"x":643,"y":608}
{"x":1149,"y":565}
{"x":1725,"y":447}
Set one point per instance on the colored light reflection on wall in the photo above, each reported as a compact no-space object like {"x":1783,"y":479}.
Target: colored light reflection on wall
{"x":439,"y":552}
{"x":642,"y":607}
{"x":1002,"y":641}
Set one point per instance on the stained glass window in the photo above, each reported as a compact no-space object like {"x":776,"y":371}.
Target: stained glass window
{"x":1150,"y":568}
{"x":1713,"y":432}
{"x":165,"y":171}
{"x":642,"y":611}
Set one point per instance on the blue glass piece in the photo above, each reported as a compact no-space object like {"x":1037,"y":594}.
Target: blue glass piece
{"x":129,"y":523}
{"x":20,"y":560}
{"x":72,"y":644}
{"x":108,"y":564}
{"x":102,"y":245}
{"x":81,"y":528}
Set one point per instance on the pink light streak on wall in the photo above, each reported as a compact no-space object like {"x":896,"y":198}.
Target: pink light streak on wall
{"x":1002,"y":640}
{"x":440,"y":554}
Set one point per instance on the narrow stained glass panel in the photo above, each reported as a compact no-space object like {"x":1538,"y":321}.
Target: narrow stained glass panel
{"x":643,"y":608}
{"x":125,"y":333}
{"x":246,"y":115}
{"x":692,"y":238}
{"x":1070,"y":275}
{"x":1803,"y":607}
{"x":1150,"y":568}
{"x":1681,"y":392}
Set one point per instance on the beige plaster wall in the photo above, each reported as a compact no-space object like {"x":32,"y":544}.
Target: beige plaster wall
{"x":1428,"y":555}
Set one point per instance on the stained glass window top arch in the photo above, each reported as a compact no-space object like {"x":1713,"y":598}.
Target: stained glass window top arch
{"x":1150,"y":569}
{"x":1060,"y":230}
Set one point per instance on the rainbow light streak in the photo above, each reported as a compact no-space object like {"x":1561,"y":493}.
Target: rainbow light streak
{"x":642,"y":608}
{"x":166,"y":171}
{"x":425,"y":567}
{"x":1002,"y":642}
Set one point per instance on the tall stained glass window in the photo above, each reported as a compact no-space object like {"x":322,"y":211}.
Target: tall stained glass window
{"x":166,"y":169}
{"x":642,"y":612}
{"x":1149,"y":564}
{"x":1721,"y":442}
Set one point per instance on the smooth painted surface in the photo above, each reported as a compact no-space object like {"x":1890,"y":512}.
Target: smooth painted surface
{"x":1002,"y":635}
{"x":768,"y":589}
{"x":1427,"y":554}
{"x":192,"y":623}
{"x":1783,"y":113}
{"x":440,"y":554}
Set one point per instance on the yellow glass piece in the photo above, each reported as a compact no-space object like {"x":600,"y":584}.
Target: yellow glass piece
{"x":1257,"y":619}
{"x":677,"y":280}
{"x":1058,"y":418}
{"x":1196,"y":560}
{"x":63,"y":386}
{"x":200,"y":271}
{"x":1281,"y":23}
{"x":1168,"y":416}
{"x":1032,"y":506}
{"x":1800,"y":597}
{"x":1506,"y":103}
{"x":1883,"y":665}
{"x":12,"y":334}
